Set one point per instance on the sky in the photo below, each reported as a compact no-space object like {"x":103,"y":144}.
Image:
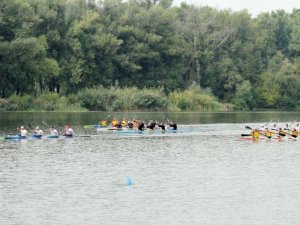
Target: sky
{"x":254,"y":7}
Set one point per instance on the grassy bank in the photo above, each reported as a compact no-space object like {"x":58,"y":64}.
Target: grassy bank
{"x":116,"y":98}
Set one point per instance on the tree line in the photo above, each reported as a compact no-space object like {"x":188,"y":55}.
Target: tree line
{"x":70,"y":47}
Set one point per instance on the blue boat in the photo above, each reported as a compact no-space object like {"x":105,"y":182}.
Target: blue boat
{"x":52,"y":136}
{"x":38,"y":136}
{"x":14,"y":137}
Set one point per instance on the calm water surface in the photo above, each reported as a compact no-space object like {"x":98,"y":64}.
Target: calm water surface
{"x":204,"y":174}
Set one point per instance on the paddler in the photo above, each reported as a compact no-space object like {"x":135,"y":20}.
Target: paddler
{"x":38,"y":131}
{"x":151,"y":125}
{"x":114,"y":122}
{"x":124,"y":122}
{"x":69,"y":132}
{"x":130,"y":124}
{"x":275,"y":127}
{"x":139,"y":124}
{"x":255,"y":133}
{"x":23,"y":131}
{"x":162,"y":126}
{"x":268,"y":133}
{"x":262,"y":128}
{"x":281,"y":132}
{"x":173,"y":125}
{"x":294,"y":133}
{"x":53,"y":131}
{"x":297,"y":126}
{"x":287,"y":127}
{"x":103,"y":123}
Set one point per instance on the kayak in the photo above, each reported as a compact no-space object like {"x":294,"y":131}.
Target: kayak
{"x":52,"y":136}
{"x":38,"y":136}
{"x":14,"y":137}
{"x":19,"y":137}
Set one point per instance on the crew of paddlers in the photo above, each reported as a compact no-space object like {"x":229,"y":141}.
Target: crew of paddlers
{"x":114,"y":123}
{"x":275,"y":131}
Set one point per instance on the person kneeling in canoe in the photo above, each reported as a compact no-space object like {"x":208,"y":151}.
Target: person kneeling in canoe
{"x":68,"y":131}
{"x":114,"y":122}
{"x":295,"y":133}
{"x":124,"y":122}
{"x":255,"y":133}
{"x":162,"y":126}
{"x":103,"y":123}
{"x":268,"y":133}
{"x":281,"y":132}
{"x":151,"y":125}
{"x":173,"y":125}
{"x":130,"y":124}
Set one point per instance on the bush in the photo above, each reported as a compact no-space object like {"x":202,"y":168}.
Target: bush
{"x":21,"y":103}
{"x":116,"y":98}
{"x":4,"y":105}
{"x":193,"y":99}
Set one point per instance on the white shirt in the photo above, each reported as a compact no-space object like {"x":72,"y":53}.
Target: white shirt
{"x":69,"y":131}
{"x":23,"y":132}
{"x":53,"y":131}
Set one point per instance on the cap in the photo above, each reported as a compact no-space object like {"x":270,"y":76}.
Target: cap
{"x":37,"y":128}
{"x":22,"y":127}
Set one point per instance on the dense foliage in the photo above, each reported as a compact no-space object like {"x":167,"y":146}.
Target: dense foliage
{"x":76,"y":52}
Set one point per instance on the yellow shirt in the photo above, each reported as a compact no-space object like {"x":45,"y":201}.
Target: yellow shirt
{"x":295,"y":133}
{"x":114,"y":122}
{"x":103,"y":123}
{"x":255,"y":134}
{"x":124,"y":123}
{"x":268,"y":134}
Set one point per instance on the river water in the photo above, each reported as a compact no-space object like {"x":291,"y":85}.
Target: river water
{"x":203,"y":174}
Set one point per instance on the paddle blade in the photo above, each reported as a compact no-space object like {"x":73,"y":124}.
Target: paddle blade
{"x":245,"y":135}
{"x":247,"y":127}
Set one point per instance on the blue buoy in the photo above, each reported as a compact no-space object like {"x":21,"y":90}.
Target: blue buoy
{"x":128,"y":181}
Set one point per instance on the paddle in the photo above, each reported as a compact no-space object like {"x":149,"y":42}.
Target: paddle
{"x":45,"y":124}
{"x":107,"y":116}
{"x":94,"y":125}
{"x":29,"y":125}
{"x":244,"y":135}
{"x":247,"y":127}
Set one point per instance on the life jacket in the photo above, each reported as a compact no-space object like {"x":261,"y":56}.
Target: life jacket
{"x":255,"y":134}
{"x":103,"y":123}
{"x":268,"y":134}
{"x":295,"y":133}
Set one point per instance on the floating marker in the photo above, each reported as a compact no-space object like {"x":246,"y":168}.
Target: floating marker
{"x":128,"y":181}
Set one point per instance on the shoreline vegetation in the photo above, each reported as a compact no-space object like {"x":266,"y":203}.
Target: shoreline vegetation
{"x":118,"y":99}
{"x":146,"y":55}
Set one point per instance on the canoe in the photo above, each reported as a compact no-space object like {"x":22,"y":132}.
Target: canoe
{"x":108,"y":128}
{"x":94,"y":126}
{"x":146,"y":131}
{"x":268,"y":139}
